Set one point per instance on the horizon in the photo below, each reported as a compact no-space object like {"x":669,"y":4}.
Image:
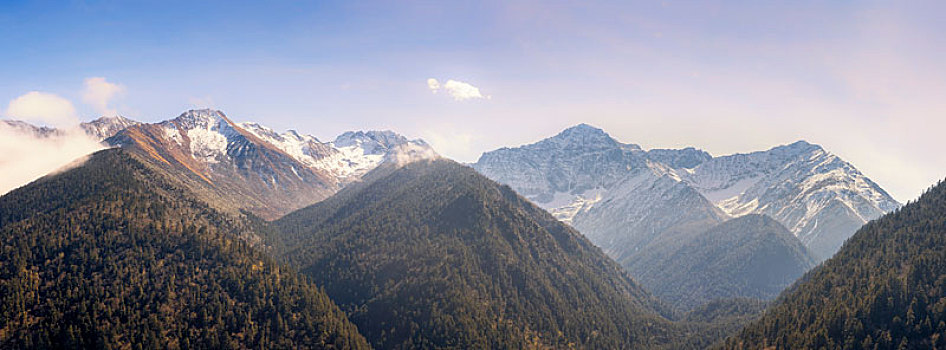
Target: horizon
{"x":860,"y":79}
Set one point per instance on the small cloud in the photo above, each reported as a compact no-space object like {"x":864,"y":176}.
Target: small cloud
{"x":459,"y":90}
{"x":433,"y":84}
{"x":98,"y":93}
{"x":43,"y":108}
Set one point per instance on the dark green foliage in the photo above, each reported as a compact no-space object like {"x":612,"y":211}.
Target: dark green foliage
{"x":715,"y":320}
{"x":723,"y":309}
{"x":435,"y":255}
{"x":113,"y":255}
{"x":752,"y":256}
{"x":885,"y":289}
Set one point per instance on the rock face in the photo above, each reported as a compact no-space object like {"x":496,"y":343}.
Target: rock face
{"x":254,"y":167}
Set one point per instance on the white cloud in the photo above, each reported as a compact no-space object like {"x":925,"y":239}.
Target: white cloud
{"x":25,"y":156}
{"x":433,"y":84}
{"x":459,"y":90}
{"x":98,"y":93}
{"x":43,"y":108}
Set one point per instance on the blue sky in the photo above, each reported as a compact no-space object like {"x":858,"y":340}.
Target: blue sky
{"x":863,"y":78}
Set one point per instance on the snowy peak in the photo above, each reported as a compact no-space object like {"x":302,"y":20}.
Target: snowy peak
{"x":105,"y":127}
{"x":581,"y":136}
{"x":304,"y":148}
{"x":795,"y":148}
{"x":565,"y":170}
{"x":374,"y":141}
{"x":206,"y":119}
{"x":361,"y":151}
{"x":351,"y":155}
{"x":208,"y":134}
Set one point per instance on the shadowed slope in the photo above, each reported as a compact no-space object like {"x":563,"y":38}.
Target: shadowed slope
{"x":752,"y":256}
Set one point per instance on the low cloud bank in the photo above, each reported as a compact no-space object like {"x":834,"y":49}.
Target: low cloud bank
{"x":26,"y":156}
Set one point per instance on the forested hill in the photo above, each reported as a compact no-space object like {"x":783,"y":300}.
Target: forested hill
{"x":885,"y":289}
{"x":435,"y":255}
{"x":112,"y":254}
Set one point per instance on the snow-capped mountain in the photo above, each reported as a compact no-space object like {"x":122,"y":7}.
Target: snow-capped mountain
{"x":263,"y":171}
{"x":566,"y":172}
{"x":105,"y":127}
{"x":615,"y":192}
{"x":816,"y":195}
{"x":350,"y":156}
{"x":612,"y":192}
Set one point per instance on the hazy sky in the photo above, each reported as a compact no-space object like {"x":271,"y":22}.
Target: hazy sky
{"x":865,"y":79}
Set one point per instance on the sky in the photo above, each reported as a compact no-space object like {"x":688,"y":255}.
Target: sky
{"x":864,"y":79}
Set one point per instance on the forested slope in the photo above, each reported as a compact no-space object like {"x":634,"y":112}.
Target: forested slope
{"x":885,"y":288}
{"x":435,"y":255}
{"x":112,"y":254}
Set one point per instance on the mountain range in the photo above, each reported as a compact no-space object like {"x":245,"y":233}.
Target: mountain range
{"x":199,"y":232}
{"x":636,"y":203}
{"x":247,"y":166}
{"x":819,"y":197}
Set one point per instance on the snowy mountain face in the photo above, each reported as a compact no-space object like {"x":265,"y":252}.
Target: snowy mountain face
{"x":816,"y":195}
{"x":105,"y":127}
{"x":623,"y":197}
{"x":645,"y":210}
{"x":350,"y":156}
{"x":614,"y":193}
{"x":260,"y":170}
{"x":566,"y":172}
